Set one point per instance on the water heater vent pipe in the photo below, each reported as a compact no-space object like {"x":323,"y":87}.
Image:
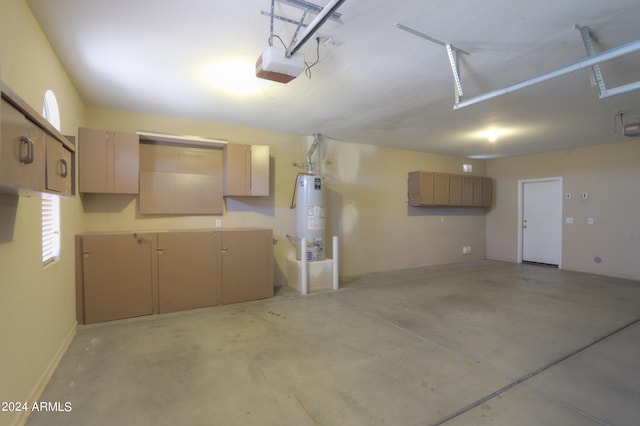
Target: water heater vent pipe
{"x":314,"y":146}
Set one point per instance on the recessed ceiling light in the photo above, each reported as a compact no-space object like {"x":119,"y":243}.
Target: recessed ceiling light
{"x":492,"y":134}
{"x":234,"y":76}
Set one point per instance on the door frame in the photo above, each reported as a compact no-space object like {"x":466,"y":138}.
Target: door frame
{"x":521,"y":184}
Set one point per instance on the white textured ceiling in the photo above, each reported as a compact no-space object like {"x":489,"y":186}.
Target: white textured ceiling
{"x":374,"y":84}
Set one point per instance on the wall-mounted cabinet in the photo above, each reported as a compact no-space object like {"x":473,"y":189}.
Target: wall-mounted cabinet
{"x":421,"y":188}
{"x":122,"y":275}
{"x":22,"y":152}
{"x":108,"y":162}
{"x":33,"y":155}
{"x":445,"y":189}
{"x":246,"y":170}
{"x":59,"y":167}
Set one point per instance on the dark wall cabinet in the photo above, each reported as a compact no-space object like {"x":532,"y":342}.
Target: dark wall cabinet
{"x":124,"y":275}
{"x":445,"y":189}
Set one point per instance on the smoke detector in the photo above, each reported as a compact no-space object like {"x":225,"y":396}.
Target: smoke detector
{"x":274,"y":65}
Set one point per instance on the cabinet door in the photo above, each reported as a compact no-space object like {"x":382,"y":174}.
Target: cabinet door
{"x":467,"y":190}
{"x":247,"y":265}
{"x":188,"y":270}
{"x":260,"y":170}
{"x":478,"y":185}
{"x":126,"y":161}
{"x":237,"y":170}
{"x":59,"y":167}
{"x":117,"y":276}
{"x":420,"y":188}
{"x":487,"y":191}
{"x":92,"y":161}
{"x":22,"y":151}
{"x":455,"y":190}
{"x":441,"y":189}
{"x":246,"y":170}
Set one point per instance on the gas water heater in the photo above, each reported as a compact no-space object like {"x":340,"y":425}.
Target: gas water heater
{"x":310,"y":216}
{"x":310,"y":210}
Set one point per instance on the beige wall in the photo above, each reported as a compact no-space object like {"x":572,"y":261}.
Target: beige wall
{"x":610,"y":174}
{"x":366,"y":187}
{"x":36,"y":304}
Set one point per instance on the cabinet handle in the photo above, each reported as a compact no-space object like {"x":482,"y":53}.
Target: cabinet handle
{"x":28,"y":157}
{"x":64,"y":169}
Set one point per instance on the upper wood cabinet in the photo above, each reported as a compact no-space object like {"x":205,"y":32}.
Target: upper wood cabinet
{"x":446,"y":189}
{"x":59,"y":167}
{"x":34,"y":156}
{"x":421,"y":188}
{"x":108,"y":162}
{"x":22,"y":151}
{"x":246,"y":170}
{"x":455,"y":190}
{"x":467,"y":190}
{"x":441,"y":184}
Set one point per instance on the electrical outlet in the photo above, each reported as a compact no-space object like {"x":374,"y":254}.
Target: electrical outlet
{"x":569,"y":220}
{"x":590,"y":221}
{"x":466,"y":249}
{"x":218,"y":223}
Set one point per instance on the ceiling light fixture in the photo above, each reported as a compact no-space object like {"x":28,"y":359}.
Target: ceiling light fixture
{"x":492,"y":134}
{"x":234,"y":76}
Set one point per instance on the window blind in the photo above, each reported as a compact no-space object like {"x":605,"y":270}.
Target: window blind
{"x":50,"y":228}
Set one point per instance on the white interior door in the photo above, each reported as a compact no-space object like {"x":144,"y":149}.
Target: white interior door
{"x":542,"y":221}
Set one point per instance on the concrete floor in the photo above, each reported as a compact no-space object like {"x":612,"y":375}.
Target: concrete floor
{"x":483,"y":343}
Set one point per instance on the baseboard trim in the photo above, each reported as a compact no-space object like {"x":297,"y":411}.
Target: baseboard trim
{"x":41,"y":384}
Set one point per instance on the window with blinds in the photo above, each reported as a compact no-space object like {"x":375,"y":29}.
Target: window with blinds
{"x":50,"y":202}
{"x":50,"y":228}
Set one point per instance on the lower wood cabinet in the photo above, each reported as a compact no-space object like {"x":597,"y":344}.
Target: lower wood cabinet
{"x":116,"y":276}
{"x":123,"y":275}
{"x":246,"y":258}
{"x":188,"y":270}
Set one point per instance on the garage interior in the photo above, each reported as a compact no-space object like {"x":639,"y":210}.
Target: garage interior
{"x":474,"y":251}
